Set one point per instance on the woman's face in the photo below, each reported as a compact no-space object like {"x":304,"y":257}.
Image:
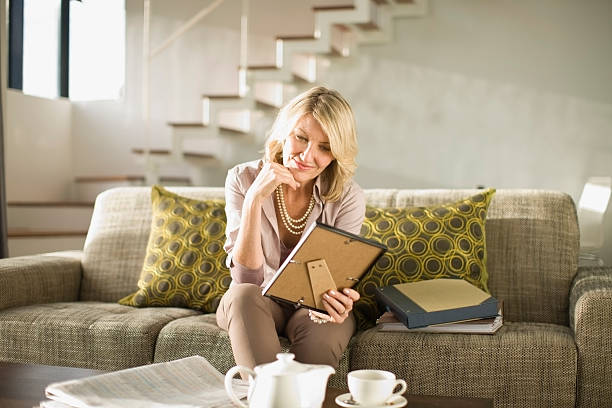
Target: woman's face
{"x":306,"y":151}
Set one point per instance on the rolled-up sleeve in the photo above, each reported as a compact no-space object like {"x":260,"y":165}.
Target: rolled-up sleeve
{"x":234,"y":198}
{"x":352,"y":209}
{"x":242,"y":274}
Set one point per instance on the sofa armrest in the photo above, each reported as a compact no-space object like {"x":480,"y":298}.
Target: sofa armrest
{"x":591,"y":321}
{"x":45,"y":278}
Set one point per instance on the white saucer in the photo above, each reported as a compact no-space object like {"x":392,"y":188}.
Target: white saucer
{"x":394,"y":402}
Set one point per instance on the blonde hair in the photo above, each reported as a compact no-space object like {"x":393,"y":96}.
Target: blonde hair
{"x":335,"y":116}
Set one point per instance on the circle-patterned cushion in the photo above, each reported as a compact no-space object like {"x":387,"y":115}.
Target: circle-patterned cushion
{"x":440,"y":241}
{"x":184,"y":265}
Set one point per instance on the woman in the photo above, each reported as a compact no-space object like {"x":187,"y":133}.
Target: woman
{"x":304,"y":177}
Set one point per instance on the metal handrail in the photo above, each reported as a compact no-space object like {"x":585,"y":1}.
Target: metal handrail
{"x":185,"y":27}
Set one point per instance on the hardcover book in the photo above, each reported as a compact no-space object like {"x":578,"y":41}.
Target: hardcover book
{"x":489,"y":325}
{"x":435,"y":301}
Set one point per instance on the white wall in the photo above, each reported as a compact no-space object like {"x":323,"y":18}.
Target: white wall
{"x":38,"y":148}
{"x":509,"y":94}
{"x":204,"y":61}
{"x":504,"y":94}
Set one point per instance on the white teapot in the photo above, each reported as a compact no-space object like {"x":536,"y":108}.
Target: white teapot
{"x":283,"y":383}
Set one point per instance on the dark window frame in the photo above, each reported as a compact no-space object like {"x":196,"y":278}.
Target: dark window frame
{"x":64,"y":48}
{"x":15,"y":60}
{"x":3,"y":211}
{"x":15,"y":74}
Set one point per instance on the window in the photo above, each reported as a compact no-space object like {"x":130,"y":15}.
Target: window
{"x":97,"y":49}
{"x":41,"y":46}
{"x":67,"y":48}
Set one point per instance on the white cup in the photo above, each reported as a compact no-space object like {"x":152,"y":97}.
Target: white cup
{"x":374,"y":387}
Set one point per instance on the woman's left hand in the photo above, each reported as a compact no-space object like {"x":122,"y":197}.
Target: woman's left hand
{"x":339,"y":304}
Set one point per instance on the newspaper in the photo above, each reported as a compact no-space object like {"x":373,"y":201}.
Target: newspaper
{"x":190,"y":382}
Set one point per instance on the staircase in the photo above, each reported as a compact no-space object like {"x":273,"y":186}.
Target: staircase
{"x":337,"y":33}
{"x":39,"y":227}
{"x":229,"y":122}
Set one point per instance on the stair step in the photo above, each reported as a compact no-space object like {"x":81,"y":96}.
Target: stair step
{"x":187,"y":124}
{"x":266,"y":105}
{"x":133,"y":178}
{"x":166,"y":152}
{"x":175,"y":179}
{"x":262,"y":67}
{"x":235,"y":120}
{"x":335,"y":52}
{"x":222,"y":96}
{"x":50,"y":204}
{"x":87,"y":188}
{"x":233,"y":130}
{"x":24,"y":233}
{"x":343,"y":27}
{"x":273,"y":93}
{"x":109,"y":179}
{"x":49,"y":216}
{"x":40,"y":244}
{"x":296,"y":37}
{"x":370,"y":26}
{"x":380,"y":2}
{"x":334,"y":8}
{"x":300,"y":79}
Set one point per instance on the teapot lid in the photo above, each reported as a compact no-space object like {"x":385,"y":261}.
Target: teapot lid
{"x":285,"y":364}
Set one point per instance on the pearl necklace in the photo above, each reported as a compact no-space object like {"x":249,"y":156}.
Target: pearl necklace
{"x":296,"y":227}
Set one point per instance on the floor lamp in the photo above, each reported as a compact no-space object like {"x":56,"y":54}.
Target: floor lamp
{"x":591,"y":210}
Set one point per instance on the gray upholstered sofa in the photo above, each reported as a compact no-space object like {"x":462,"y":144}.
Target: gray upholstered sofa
{"x":554,"y":350}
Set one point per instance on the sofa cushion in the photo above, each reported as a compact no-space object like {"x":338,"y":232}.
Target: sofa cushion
{"x":532,"y":247}
{"x":42,"y":278}
{"x":184,"y":265}
{"x":103,"y":336}
{"x":444,"y":240}
{"x":522,"y":365}
{"x":532,"y":243}
{"x":200,"y":335}
{"x":532,"y":253}
{"x":117,"y":239}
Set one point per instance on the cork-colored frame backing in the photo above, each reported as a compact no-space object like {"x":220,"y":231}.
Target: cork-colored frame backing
{"x":348,"y":258}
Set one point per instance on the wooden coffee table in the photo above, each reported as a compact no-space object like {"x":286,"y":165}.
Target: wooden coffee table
{"x":23,"y":386}
{"x":420,"y":401}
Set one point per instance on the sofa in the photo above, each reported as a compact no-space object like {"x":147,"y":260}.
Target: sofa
{"x":554,"y":349}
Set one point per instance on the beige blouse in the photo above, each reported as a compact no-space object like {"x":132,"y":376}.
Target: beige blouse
{"x":347,"y":214}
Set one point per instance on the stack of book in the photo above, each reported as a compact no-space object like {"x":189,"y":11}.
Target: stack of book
{"x":439,"y":306}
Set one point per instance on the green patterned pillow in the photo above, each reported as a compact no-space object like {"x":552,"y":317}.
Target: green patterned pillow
{"x":446,"y":240}
{"x":185,"y":262}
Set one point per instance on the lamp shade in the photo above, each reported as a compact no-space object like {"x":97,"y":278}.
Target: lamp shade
{"x":591,"y":209}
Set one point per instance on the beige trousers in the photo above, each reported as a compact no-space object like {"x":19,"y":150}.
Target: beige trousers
{"x":254,"y":323}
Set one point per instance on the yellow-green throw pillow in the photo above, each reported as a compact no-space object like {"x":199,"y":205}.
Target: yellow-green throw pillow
{"x":185,"y":262}
{"x":446,"y":240}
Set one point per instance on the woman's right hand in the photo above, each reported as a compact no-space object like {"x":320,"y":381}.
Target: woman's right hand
{"x":247,"y":249}
{"x":271,"y":176}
